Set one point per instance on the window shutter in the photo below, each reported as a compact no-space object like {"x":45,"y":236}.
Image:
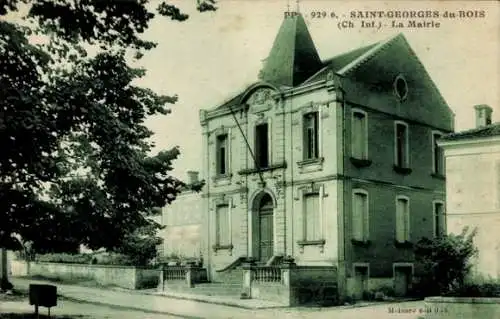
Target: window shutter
{"x":315,"y":153}
{"x":400,"y":220}
{"x":438,"y":219}
{"x":312,"y":221}
{"x":222,"y":233}
{"x":358,"y":217}
{"x":356,"y":136}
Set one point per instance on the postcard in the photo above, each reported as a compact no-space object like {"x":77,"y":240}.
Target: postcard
{"x":326,"y":159}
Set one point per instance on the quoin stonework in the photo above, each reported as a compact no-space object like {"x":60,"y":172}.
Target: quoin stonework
{"x":332,"y":162}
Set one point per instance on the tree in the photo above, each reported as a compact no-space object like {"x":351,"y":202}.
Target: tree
{"x":75,"y":165}
{"x":446,"y":261}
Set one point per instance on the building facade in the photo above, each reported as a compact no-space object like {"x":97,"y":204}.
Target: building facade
{"x":332,"y":162}
{"x":473,"y":187}
{"x":183,"y":222}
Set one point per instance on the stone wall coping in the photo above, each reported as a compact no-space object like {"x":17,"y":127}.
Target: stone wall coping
{"x":473,"y":300}
{"x":92,"y":265}
{"x":302,"y":267}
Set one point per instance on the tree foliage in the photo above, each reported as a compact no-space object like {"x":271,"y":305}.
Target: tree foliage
{"x":75,"y":165}
{"x":446,"y":261}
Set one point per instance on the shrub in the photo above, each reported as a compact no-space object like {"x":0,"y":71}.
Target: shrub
{"x":379,"y":296}
{"x":96,"y":259}
{"x":368,"y":295}
{"x":446,"y":263}
{"x":140,"y":247}
{"x":489,"y":289}
{"x":388,"y":291}
{"x":65,"y":258}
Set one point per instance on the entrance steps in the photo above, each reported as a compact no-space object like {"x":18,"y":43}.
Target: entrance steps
{"x":227,"y":283}
{"x":208,"y":289}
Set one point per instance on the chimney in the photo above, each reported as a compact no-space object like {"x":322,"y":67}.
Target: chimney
{"x":483,"y":115}
{"x":192,"y":177}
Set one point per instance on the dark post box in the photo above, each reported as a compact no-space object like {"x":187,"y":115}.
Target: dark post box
{"x":43,"y":295}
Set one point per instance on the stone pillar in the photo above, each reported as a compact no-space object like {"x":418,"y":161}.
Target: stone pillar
{"x":287,"y":279}
{"x":161,"y":282}
{"x":191,"y":274}
{"x":248,"y":276}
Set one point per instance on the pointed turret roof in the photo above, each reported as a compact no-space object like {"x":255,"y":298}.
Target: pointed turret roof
{"x":293,"y":57}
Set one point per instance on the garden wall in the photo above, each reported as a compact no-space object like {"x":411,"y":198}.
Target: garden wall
{"x":121,"y":276}
{"x":462,"y":307}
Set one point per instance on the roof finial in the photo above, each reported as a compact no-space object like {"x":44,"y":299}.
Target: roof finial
{"x":287,"y":5}
{"x":298,"y":8}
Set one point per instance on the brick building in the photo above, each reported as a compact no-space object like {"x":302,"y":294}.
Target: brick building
{"x":333,"y":162}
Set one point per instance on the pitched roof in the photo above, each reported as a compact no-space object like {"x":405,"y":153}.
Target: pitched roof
{"x":293,"y":57}
{"x":338,"y":62}
{"x":480,"y":132}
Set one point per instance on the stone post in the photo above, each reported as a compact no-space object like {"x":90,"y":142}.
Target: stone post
{"x":191,"y":274}
{"x":287,"y":279}
{"x":248,"y":275}
{"x":161,"y":282}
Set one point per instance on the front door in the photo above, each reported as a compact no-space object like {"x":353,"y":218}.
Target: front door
{"x":360,"y":281}
{"x":402,"y":280}
{"x":266,"y":229}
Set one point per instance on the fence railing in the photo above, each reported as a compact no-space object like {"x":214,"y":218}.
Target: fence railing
{"x":267,"y":274}
{"x":174,"y":273}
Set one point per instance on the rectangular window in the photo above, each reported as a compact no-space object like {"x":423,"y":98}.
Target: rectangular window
{"x":402,"y":220}
{"x":311,"y":136}
{"x":312,"y":217}
{"x":222,"y":154}
{"x":439,"y":219}
{"x":401,"y":145}
{"x":262,"y":145}
{"x":359,"y":136}
{"x":222,"y":224}
{"x":437,"y":155}
{"x":360,"y":222}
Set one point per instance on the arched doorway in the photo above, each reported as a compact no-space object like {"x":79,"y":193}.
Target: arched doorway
{"x":265,"y":228}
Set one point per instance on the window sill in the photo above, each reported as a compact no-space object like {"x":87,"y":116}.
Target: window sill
{"x":222,"y":247}
{"x":225,"y":176}
{"x":438,"y":176}
{"x":360,"y":162}
{"x":222,"y":179}
{"x":402,"y":170}
{"x":311,"y":161}
{"x":404,"y":244}
{"x":311,"y":165}
{"x":361,"y":243}
{"x":262,"y":169}
{"x":319,"y":242}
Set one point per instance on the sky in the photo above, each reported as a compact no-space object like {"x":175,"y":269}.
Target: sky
{"x":212,"y":56}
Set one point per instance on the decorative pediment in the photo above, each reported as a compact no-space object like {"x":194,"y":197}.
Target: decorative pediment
{"x":261,"y":100}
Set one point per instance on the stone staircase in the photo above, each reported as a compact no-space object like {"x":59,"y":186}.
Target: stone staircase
{"x":227,"y":283}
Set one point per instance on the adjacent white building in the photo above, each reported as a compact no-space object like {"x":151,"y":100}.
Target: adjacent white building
{"x":473,"y":187}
